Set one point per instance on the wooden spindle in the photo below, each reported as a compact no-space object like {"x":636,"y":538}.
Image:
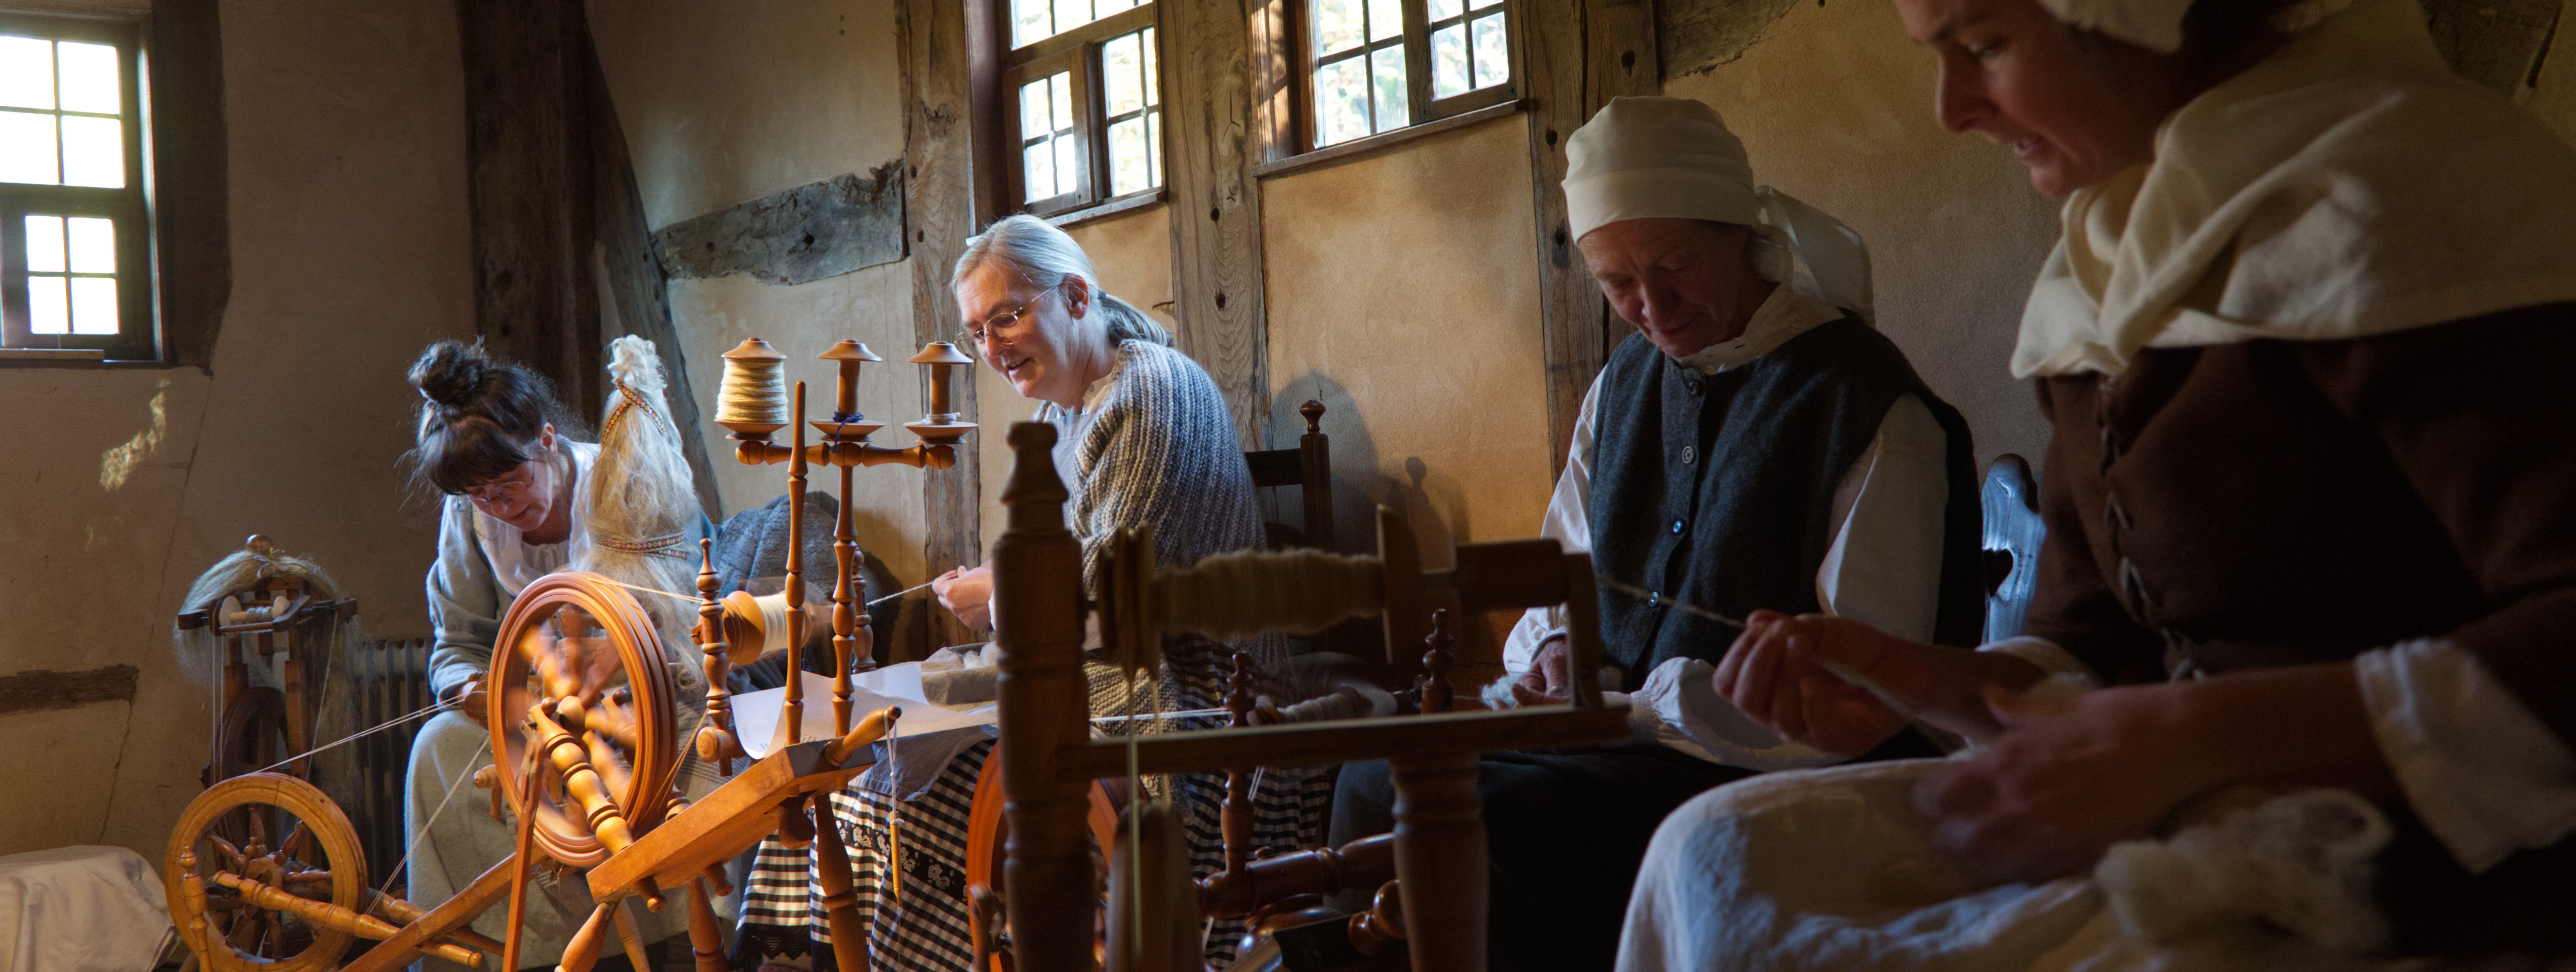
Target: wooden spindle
{"x":583,"y":951}
{"x":840,"y":899}
{"x":715,"y":740}
{"x":845,"y":545}
{"x":1437,"y":694}
{"x":1235,"y":818}
{"x":629,"y":937}
{"x":706,"y":937}
{"x":582,"y":781}
{"x":792,"y":712}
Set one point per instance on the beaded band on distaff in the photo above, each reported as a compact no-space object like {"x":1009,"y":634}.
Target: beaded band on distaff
{"x":669,"y":545}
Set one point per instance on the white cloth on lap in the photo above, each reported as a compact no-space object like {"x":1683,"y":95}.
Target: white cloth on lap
{"x":80,"y":909}
{"x":1832,"y":869}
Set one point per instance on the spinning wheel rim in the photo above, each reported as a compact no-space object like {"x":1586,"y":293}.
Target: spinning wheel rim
{"x":562,"y":831}
{"x":321,"y":818}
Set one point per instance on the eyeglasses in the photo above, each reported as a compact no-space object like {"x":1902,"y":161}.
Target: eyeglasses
{"x":1005,"y":319}
{"x":514,"y":486}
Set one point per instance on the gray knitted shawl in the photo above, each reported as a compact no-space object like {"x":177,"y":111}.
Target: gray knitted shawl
{"x":1159,"y":448}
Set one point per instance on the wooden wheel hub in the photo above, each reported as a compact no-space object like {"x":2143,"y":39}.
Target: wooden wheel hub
{"x":600,"y":728}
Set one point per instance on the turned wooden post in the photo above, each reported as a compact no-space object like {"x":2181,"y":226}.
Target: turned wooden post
{"x":1440,"y":860}
{"x":792,"y":712}
{"x":706,"y":935}
{"x":1315,"y":462}
{"x":845,"y":642}
{"x":1235,"y":820}
{"x":581,"y":779}
{"x":1037,"y":620}
{"x":1437,"y":694}
{"x":715,"y":740}
{"x":840,"y":901}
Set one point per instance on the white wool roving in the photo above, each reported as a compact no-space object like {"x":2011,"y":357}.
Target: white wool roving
{"x":643,"y":500}
{"x":2300,"y":861}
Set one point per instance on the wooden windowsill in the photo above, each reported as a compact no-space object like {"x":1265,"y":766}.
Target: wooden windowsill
{"x":52,"y":354}
{"x":1105,"y":210}
{"x":1385,"y":140}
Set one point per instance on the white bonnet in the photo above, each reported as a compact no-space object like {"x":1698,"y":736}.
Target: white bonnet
{"x":1672,"y":158}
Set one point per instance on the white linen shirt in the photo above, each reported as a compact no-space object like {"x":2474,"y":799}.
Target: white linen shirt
{"x":1882,"y":568}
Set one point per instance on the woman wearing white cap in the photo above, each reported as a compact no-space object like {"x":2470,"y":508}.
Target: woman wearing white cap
{"x":2303,"y":345}
{"x":1756,"y":444}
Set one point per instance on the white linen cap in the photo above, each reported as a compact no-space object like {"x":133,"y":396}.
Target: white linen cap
{"x":2152,"y":24}
{"x":1643,"y":158}
{"x":1672,"y":158}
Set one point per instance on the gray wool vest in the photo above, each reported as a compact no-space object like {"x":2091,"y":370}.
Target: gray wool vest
{"x":1717,"y":490}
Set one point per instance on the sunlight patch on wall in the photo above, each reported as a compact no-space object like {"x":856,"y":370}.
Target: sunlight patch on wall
{"x":118,"y":463}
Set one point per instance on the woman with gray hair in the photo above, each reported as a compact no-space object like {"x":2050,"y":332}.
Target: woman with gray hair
{"x":1144,"y":440}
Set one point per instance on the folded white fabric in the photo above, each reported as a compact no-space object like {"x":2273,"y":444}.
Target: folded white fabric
{"x":80,"y":909}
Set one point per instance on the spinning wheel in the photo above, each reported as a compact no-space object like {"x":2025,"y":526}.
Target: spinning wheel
{"x":605,"y":733}
{"x":268,"y":875}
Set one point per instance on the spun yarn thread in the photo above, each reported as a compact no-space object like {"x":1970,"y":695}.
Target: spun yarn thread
{"x":754,"y":391}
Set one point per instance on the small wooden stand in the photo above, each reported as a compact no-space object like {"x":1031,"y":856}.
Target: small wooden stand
{"x":844,"y":444}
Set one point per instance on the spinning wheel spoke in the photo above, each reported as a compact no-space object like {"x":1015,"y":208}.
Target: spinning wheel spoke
{"x":293,"y":847}
{"x":234,"y":859}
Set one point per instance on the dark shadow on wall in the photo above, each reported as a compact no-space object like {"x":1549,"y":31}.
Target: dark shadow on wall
{"x":1429,"y":500}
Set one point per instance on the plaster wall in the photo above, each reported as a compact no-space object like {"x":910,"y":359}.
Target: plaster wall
{"x":1834,"y":105}
{"x":1403,"y":294}
{"x":1133,"y":253}
{"x":723,"y":104}
{"x":351,"y":250}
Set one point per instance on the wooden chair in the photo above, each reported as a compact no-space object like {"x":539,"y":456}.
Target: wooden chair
{"x":1439,"y":842}
{"x":2012,"y":536}
{"x":1308,"y":466}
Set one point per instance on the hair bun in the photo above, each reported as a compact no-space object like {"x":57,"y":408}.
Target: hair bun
{"x":450,"y":372}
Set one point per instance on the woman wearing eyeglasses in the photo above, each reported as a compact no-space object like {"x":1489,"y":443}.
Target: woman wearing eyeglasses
{"x":1143,"y":440}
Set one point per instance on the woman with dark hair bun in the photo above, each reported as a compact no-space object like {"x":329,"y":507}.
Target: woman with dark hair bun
{"x":493,"y":438}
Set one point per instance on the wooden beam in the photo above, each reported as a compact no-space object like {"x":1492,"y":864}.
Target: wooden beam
{"x":1578,"y":56}
{"x":1216,"y":205}
{"x":1570,"y":307}
{"x":939,"y":136}
{"x":527,"y":164}
{"x":794,"y":236}
{"x":1696,"y":35}
{"x":191,"y":206}
{"x":634,"y":296}
{"x":38,"y":691}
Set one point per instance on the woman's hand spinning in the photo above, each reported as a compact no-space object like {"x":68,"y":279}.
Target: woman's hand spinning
{"x":2070,"y":777}
{"x":1779,"y":672}
{"x":968,"y":594}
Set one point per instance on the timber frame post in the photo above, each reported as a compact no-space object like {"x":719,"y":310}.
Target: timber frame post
{"x":1578,"y":56}
{"x":563,"y":260}
{"x":942,"y":188}
{"x":1215,"y":205}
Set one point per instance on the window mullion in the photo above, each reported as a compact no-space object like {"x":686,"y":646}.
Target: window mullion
{"x":1094,"y":120}
{"x":1417,"y":59}
{"x":14,"y":308}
